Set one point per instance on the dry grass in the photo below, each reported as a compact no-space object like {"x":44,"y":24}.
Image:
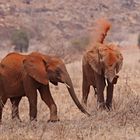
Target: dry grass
{"x":123,"y":123}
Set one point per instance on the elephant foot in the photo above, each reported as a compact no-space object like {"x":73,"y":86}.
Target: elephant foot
{"x":33,"y":119}
{"x":54,"y":119}
{"x":17,"y":119}
{"x":108,"y":107}
{"x":101,"y":106}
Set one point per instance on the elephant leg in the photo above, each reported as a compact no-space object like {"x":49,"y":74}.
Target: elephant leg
{"x":100,"y":91}
{"x":85,"y":92}
{"x":15,"y":103}
{"x":31,"y":93}
{"x":47,"y":98}
{"x":32,"y":97}
{"x":2,"y":103}
{"x":110,"y":88}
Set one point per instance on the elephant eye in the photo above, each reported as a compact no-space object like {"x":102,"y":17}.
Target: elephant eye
{"x":110,"y":65}
{"x":58,"y":72}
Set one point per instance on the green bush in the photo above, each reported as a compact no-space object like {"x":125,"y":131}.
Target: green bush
{"x":139,"y":40}
{"x":80,"y":43}
{"x":20,"y":40}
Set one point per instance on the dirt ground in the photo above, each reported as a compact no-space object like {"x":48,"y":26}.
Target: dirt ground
{"x":122,"y":123}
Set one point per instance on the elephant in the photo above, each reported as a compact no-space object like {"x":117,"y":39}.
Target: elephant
{"x":24,"y":74}
{"x":100,"y":65}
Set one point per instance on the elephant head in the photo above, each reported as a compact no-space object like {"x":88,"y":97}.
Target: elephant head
{"x":106,"y":60}
{"x":43,"y":69}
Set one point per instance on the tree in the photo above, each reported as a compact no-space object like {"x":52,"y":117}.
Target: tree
{"x":80,"y":43}
{"x":139,"y":41}
{"x":20,"y":40}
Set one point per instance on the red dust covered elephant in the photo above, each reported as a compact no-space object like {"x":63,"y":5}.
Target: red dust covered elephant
{"x":100,"y":64}
{"x":21,"y":75}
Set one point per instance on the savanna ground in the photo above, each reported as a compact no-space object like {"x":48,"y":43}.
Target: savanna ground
{"x":123,"y":123}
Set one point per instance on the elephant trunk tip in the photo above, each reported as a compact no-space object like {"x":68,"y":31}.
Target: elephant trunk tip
{"x":88,"y":114}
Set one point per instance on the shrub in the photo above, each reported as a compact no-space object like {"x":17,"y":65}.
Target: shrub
{"x":80,"y":43}
{"x":139,"y":41}
{"x":20,"y":40}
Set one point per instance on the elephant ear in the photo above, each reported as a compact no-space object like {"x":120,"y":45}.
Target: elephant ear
{"x":94,"y":59}
{"x":119,"y":62}
{"x":35,"y":67}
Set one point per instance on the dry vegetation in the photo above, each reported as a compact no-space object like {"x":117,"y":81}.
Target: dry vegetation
{"x":123,"y":123}
{"x":68,"y":21}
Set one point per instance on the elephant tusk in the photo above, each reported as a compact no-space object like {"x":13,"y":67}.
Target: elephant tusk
{"x":67,"y":85}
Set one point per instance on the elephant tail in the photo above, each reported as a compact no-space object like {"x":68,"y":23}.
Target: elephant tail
{"x":99,"y":31}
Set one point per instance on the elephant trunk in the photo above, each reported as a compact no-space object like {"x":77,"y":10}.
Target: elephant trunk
{"x":110,"y":75}
{"x":70,"y":88}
